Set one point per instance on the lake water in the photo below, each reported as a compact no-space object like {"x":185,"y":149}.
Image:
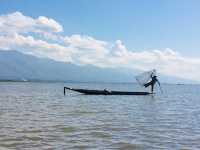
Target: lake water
{"x":38,"y":116}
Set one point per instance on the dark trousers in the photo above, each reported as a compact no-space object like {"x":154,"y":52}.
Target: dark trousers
{"x":151,"y":83}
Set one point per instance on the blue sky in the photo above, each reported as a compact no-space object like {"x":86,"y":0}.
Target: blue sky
{"x":140,"y":24}
{"x":142,"y":34}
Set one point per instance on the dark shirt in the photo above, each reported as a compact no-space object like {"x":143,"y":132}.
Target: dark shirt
{"x":152,"y":82}
{"x":154,"y":79}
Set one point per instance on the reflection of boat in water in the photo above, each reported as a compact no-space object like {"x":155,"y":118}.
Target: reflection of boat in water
{"x":105,"y":92}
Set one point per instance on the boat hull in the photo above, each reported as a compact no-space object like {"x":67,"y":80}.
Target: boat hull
{"x":105,"y":92}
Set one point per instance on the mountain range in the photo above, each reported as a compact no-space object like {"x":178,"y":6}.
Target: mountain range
{"x":18,"y":66}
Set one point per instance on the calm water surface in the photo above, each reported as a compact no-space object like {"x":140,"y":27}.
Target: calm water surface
{"x":38,"y":116}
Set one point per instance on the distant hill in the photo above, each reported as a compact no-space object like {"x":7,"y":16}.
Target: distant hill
{"x":18,"y":66}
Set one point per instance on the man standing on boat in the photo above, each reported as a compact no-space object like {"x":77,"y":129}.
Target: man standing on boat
{"x":152,"y":82}
{"x":147,"y":79}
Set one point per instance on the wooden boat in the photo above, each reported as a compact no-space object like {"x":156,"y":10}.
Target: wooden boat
{"x":105,"y":92}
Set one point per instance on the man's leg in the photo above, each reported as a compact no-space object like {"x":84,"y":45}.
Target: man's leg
{"x":152,"y":87}
{"x":147,"y":84}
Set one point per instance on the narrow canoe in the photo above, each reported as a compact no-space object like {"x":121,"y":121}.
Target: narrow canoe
{"x":105,"y":92}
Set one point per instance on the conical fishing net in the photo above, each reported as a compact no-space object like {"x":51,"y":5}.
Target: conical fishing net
{"x":145,"y":77}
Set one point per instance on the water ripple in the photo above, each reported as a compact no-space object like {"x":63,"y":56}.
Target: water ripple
{"x":38,"y":116}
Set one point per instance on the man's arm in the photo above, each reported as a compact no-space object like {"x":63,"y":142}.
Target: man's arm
{"x":159,"y":86}
{"x":158,"y":82}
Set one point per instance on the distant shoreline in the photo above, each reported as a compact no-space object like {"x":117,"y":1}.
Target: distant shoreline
{"x":67,"y":81}
{"x":89,"y":82}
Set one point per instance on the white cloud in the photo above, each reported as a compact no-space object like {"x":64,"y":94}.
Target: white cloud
{"x":15,"y":23}
{"x":50,"y":23}
{"x":18,"y":23}
{"x":85,"y":42}
{"x":16,"y":33}
{"x":40,"y":48}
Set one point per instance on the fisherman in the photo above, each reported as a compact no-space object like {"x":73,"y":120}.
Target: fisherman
{"x":152,"y":82}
